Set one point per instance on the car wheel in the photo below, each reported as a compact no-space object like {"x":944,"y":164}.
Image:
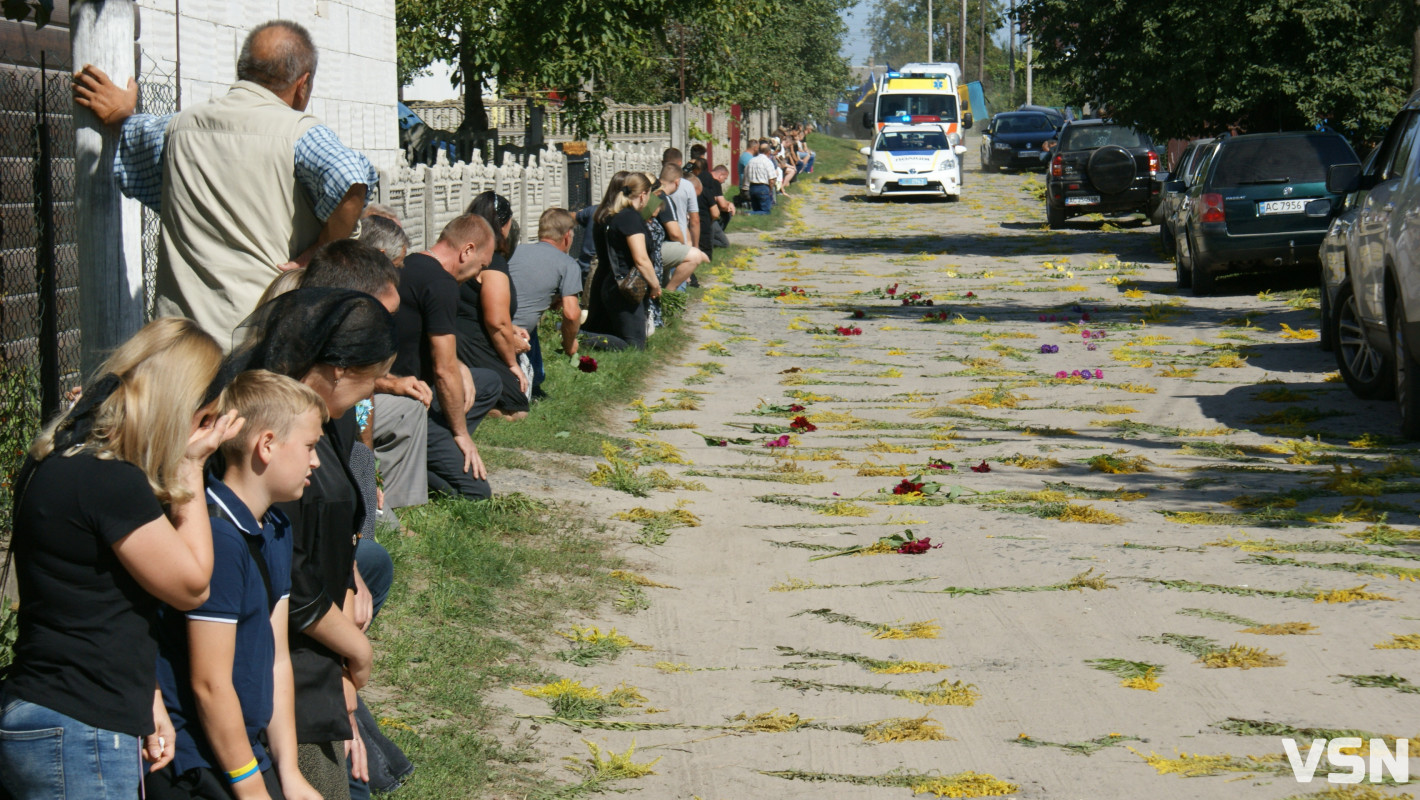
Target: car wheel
{"x":1202,"y":279}
{"x":1183,"y":274}
{"x":1366,"y":370}
{"x":1407,"y":377}
{"x":1054,"y":217}
{"x":1327,"y":342}
{"x":1167,"y":243}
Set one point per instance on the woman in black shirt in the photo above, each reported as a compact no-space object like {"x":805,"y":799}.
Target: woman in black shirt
{"x":95,"y":552}
{"x":487,"y":338}
{"x":616,"y":321}
{"x":338,"y":342}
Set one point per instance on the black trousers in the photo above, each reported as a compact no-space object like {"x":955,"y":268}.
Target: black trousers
{"x":445,"y":459}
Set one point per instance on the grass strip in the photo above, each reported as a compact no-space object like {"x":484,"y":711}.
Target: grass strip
{"x":961,"y":784}
{"x":912,"y":630}
{"x":1084,"y":580}
{"x":1359,"y":567}
{"x":1211,"y":655}
{"x":877,"y":665}
{"x":1394,"y":682}
{"x":475,"y":588}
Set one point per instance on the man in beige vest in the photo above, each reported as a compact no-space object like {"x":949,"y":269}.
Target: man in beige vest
{"x":247,"y":185}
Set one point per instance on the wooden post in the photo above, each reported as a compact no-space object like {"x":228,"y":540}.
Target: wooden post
{"x":929,"y":31}
{"x":1030,"y":72}
{"x":110,"y":282}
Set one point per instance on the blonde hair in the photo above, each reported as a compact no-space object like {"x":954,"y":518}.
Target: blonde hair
{"x":164,"y":373}
{"x":635,"y":185}
{"x":288,"y":281}
{"x":268,"y":402}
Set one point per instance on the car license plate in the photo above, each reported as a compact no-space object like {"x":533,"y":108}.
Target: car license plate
{"x":912,"y":182}
{"x":1282,"y":207}
{"x":1002,"y":146}
{"x":1029,"y":153}
{"x":1087,"y":200}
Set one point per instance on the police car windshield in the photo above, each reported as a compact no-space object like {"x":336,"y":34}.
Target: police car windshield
{"x":898,"y":141}
{"x":941,"y":106}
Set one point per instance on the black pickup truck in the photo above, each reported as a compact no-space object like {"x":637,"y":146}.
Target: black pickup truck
{"x":1101,"y":167}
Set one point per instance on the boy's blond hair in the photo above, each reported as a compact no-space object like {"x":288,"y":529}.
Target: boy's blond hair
{"x":268,"y":402}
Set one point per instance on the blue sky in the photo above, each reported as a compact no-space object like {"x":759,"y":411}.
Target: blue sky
{"x":857,"y":44}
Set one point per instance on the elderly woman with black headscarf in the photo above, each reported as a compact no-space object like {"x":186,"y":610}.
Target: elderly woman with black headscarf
{"x":338,"y":342}
{"x":488,"y":339}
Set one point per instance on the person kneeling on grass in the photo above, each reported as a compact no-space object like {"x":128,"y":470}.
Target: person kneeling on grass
{"x":225,"y":667}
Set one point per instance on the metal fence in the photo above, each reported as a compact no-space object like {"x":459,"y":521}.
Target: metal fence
{"x":157,"y":94}
{"x":39,"y":293}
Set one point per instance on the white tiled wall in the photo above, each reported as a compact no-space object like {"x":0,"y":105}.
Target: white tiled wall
{"x":356,"y":87}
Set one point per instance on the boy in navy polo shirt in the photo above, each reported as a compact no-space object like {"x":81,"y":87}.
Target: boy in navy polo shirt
{"x":225,"y":668}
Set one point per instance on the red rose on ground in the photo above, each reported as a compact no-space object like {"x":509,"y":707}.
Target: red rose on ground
{"x":587,"y":364}
{"x":803,"y":424}
{"x":908,"y":487}
{"x":858,"y":313}
{"x":917,"y":547}
{"x":982,"y":467}
{"x":795,"y":408}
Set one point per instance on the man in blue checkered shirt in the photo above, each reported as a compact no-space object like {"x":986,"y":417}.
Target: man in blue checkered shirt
{"x":247,"y":185}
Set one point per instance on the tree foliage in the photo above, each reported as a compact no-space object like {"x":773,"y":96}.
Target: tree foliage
{"x":1180,"y":68}
{"x":753,"y":53}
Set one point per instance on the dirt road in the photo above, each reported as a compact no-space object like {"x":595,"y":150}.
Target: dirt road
{"x":1118,"y":565}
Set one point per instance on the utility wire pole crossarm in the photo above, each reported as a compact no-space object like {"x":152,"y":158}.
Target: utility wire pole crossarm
{"x":102,"y":33}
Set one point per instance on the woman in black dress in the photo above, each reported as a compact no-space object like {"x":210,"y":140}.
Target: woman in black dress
{"x":110,"y":520}
{"x":338,"y":342}
{"x":488,"y":339}
{"x":617,"y":321}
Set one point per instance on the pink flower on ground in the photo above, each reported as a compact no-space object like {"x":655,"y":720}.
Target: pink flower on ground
{"x":587,"y":364}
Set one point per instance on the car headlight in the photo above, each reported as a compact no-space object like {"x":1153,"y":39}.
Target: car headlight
{"x":878,"y":166}
{"x":948,"y":163}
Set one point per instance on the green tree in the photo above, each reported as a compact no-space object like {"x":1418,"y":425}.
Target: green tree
{"x":1179,"y":68}
{"x":533,"y":45}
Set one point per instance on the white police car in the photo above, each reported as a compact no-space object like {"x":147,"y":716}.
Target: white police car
{"x":914,"y":160}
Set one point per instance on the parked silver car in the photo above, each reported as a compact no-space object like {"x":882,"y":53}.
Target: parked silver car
{"x":1371,"y":272}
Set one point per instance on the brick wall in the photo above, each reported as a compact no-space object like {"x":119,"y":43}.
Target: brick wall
{"x":356,"y":87}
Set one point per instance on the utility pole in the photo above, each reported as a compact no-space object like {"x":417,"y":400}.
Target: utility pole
{"x":102,"y":33}
{"x":1030,"y":51}
{"x":1012,"y":60}
{"x":680,"y":39}
{"x":981,"y":52}
{"x":929,"y":31}
{"x":948,"y":41}
{"x":963,"y":38}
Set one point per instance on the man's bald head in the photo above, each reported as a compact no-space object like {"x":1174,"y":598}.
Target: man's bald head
{"x":276,"y":55}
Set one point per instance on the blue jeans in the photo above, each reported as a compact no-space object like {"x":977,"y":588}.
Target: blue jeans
{"x":45,"y":755}
{"x":376,"y":569}
{"x":761,"y":198}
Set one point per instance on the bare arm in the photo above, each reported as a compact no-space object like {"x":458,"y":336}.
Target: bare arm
{"x":448,"y":382}
{"x":694,"y":223}
{"x":408,"y":386}
{"x":571,"y":323}
{"x":336,"y":631}
{"x":211,"y":651}
{"x":281,"y":730}
{"x":673,"y":231}
{"x":172,"y":560}
{"x":496,"y":299}
{"x":339,"y":226}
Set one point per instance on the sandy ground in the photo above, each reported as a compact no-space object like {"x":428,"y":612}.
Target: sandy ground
{"x":1198,"y":374}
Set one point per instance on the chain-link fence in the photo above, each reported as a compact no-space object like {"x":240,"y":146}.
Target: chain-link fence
{"x":157,"y":94}
{"x":39,"y":291}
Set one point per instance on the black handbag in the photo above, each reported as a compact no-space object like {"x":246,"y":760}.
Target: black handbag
{"x":629,"y":280}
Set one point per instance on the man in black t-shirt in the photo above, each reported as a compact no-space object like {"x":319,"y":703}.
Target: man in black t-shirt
{"x":426,"y":329}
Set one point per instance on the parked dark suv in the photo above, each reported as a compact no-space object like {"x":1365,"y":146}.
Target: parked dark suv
{"x":1261,"y":201}
{"x":1018,"y":139}
{"x":1101,"y":166}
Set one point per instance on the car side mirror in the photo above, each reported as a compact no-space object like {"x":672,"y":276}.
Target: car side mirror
{"x":966,"y":120}
{"x":959,"y":149}
{"x":1318,"y":208}
{"x":867,"y":151}
{"x":1343,"y":178}
{"x":1162,"y":176}
{"x":1174,"y":186}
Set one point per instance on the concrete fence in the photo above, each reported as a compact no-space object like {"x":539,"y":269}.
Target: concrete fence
{"x":427,"y":198}
{"x":625,"y":124}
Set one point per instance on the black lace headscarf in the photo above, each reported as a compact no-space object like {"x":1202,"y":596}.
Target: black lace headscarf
{"x":300,"y":329}
{"x":498,"y":211}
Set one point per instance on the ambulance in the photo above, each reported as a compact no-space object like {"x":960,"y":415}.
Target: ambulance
{"x":923,"y":93}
